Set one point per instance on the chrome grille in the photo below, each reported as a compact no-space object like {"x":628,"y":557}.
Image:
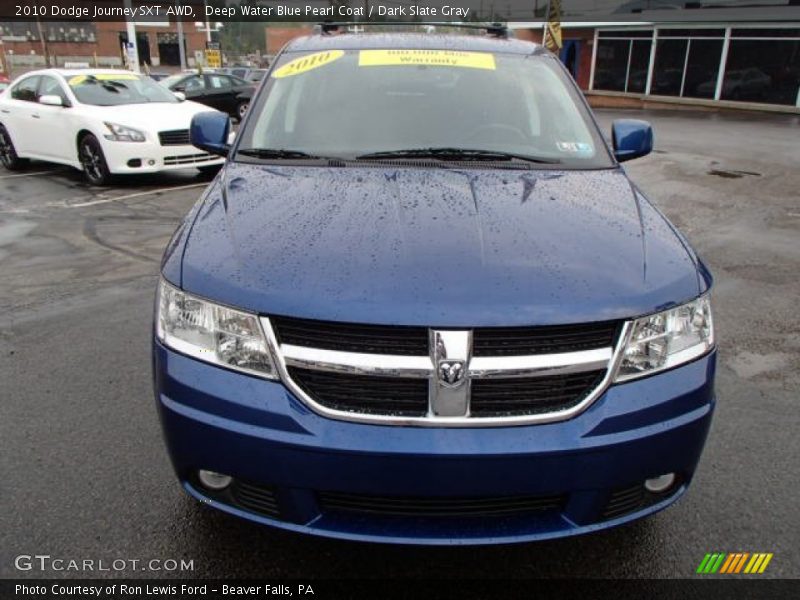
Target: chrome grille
{"x":174,"y":137}
{"x":392,"y":375}
{"x":189,"y":159}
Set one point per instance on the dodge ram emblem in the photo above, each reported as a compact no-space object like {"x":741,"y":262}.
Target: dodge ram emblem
{"x":451,"y":372}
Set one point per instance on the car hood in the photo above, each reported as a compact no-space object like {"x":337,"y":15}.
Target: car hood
{"x":433,"y":246}
{"x":154,"y":116}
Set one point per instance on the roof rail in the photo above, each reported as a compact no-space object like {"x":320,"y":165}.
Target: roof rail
{"x":499,"y":30}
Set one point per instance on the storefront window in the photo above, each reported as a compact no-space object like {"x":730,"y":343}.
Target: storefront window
{"x":668,"y":70}
{"x":762,"y":70}
{"x":763,"y":64}
{"x":702,"y":68}
{"x":640,"y":61}
{"x":612,"y":65}
{"x":623,"y":58}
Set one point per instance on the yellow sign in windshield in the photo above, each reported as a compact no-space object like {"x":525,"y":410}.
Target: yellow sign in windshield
{"x":306,"y":63}
{"x":433,"y":58}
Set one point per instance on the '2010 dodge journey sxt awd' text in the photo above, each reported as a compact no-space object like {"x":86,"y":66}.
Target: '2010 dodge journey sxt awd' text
{"x":423,"y":303}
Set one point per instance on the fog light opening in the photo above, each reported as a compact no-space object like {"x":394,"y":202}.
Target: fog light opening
{"x":660,"y":484}
{"x":213,"y":480}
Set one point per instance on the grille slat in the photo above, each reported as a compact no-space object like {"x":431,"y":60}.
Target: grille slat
{"x":188,"y":159}
{"x":624,"y":501}
{"x":549,"y":339}
{"x":349,"y":337}
{"x":174,"y":137}
{"x":258,"y":498}
{"x":403,"y":506}
{"x":499,"y":397}
{"x":363,"y":393}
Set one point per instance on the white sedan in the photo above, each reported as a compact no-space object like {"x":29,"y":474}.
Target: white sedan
{"x":103,"y":122}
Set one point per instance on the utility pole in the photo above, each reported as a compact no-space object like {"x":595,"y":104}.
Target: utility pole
{"x":43,"y":40}
{"x":130,"y":27}
{"x":544,"y":29}
{"x":181,"y":47}
{"x":4,"y":58}
{"x":208,"y":25}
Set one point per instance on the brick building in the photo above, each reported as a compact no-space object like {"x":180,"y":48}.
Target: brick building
{"x":98,"y":44}
{"x":278,"y":37}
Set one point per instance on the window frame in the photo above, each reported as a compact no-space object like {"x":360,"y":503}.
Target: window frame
{"x":35,"y":78}
{"x":67,"y":102}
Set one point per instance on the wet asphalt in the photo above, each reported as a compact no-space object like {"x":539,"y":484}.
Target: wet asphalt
{"x":84,"y":473}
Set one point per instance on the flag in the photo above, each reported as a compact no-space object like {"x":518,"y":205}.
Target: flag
{"x":552,"y":34}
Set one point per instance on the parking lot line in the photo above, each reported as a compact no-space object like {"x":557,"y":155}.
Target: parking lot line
{"x":136,"y":195}
{"x":28,"y":174}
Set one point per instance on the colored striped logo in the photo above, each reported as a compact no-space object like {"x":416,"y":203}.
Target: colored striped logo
{"x":734,"y":563}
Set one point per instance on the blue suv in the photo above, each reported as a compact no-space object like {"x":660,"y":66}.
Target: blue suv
{"x":423,"y":303}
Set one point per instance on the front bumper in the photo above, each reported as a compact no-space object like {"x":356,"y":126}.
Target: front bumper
{"x":153,"y":157}
{"x":259,"y":433}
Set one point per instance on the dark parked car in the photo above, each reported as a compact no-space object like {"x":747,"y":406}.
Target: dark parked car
{"x":246,"y":73}
{"x":217,"y":90}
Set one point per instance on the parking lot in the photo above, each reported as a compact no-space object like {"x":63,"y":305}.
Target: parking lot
{"x":85,"y":473}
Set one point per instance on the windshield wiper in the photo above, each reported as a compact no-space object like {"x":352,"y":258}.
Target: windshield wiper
{"x":275,"y":153}
{"x":447,"y":153}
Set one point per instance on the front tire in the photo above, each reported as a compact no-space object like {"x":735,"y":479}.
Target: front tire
{"x":8,"y":154}
{"x":210,"y":170}
{"x":241,"y":110}
{"x":94,"y":161}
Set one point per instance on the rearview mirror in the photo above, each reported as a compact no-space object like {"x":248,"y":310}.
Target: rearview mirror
{"x":631,"y":138}
{"x":209,"y":131}
{"x":180,"y":96}
{"x":51,"y":100}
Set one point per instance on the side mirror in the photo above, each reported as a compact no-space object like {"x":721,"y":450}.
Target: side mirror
{"x":180,"y":96}
{"x":631,"y":138}
{"x":179,"y":89}
{"x":209,"y":131}
{"x":51,"y":100}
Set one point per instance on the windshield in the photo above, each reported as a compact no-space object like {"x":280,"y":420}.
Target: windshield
{"x":114,"y":89}
{"x":172,"y":79}
{"x":352,"y":104}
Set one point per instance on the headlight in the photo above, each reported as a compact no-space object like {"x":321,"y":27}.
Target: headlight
{"x":215,"y":334}
{"x":667,"y":339}
{"x":120,"y":133}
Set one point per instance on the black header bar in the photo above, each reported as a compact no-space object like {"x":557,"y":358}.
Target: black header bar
{"x":404,"y":11}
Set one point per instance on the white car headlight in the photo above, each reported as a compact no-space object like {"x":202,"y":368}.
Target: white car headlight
{"x":120,"y":133}
{"x":667,"y":339}
{"x":212,"y":333}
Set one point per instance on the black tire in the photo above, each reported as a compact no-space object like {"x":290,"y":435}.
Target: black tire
{"x":209,"y":170}
{"x":241,"y":110}
{"x":8,"y":154}
{"x":90,"y":153}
